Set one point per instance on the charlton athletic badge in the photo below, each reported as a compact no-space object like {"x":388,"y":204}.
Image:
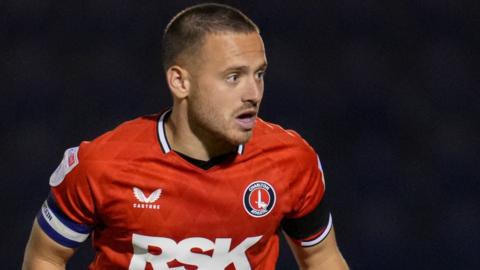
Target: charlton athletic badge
{"x":259,"y":199}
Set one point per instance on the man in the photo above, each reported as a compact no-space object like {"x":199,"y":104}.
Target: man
{"x":203,"y":185}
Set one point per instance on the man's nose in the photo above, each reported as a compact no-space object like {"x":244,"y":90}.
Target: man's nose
{"x":253,"y":91}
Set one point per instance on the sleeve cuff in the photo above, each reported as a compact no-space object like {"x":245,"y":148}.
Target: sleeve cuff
{"x":318,"y":237}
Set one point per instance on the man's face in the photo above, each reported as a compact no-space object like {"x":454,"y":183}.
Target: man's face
{"x":227,"y":86}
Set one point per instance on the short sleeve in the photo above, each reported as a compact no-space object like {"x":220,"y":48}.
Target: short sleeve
{"x":67,"y":215}
{"x":310,"y":221}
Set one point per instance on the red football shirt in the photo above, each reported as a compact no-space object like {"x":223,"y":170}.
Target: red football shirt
{"x":147,"y":207}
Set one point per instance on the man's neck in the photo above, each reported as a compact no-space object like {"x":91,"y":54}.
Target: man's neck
{"x":182,"y":139}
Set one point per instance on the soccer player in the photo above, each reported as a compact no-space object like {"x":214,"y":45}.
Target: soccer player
{"x":205,"y":184}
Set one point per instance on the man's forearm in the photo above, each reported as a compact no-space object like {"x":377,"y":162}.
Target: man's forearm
{"x":336,"y":262}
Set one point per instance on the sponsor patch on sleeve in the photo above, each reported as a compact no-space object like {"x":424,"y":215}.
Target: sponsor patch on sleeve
{"x":69,"y":161}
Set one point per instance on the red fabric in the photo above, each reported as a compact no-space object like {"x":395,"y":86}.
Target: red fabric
{"x":193,"y":202}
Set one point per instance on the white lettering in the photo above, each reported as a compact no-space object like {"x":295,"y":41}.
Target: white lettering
{"x":223,"y":257}
{"x":259,"y":185}
{"x":141,"y":254}
{"x":184,"y":252}
{"x":201,"y":260}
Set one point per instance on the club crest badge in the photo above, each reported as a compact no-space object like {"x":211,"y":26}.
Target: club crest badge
{"x":259,"y":198}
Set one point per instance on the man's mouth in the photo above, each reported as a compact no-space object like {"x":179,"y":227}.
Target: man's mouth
{"x":247,"y":119}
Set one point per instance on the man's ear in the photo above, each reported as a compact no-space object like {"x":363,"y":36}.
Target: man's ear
{"x":178,"y":81}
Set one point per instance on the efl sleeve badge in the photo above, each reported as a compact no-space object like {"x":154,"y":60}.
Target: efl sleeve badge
{"x":69,"y":161}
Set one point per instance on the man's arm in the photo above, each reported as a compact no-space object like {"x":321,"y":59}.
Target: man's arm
{"x":323,"y":256}
{"x":43,"y":253}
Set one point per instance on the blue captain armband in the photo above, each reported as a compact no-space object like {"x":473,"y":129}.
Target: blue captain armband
{"x":59,"y":227}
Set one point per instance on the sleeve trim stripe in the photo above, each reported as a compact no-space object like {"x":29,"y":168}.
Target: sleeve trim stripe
{"x":56,"y":224}
{"x":78,"y":228}
{"x":321,"y":237}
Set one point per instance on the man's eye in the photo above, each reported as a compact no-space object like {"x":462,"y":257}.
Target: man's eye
{"x":232,"y":78}
{"x":260,"y":75}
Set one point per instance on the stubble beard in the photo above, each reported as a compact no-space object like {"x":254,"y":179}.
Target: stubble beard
{"x":213,"y":128}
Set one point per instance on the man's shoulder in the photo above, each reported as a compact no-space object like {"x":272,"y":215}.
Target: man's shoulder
{"x":272,"y":137}
{"x":125,"y":139}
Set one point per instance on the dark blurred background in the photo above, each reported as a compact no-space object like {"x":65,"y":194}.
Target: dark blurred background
{"x":386,"y":92}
